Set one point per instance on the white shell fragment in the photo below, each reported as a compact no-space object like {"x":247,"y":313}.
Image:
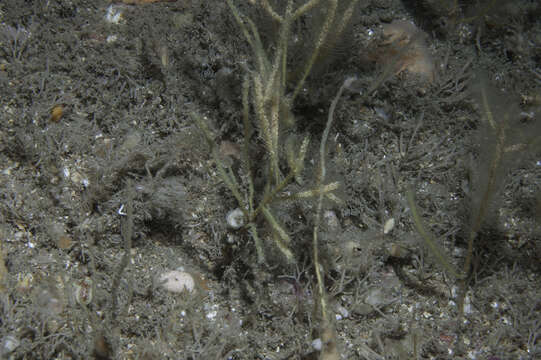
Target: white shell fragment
{"x":235,"y":219}
{"x":83,"y":292}
{"x":177,"y":281}
{"x":389,"y":225}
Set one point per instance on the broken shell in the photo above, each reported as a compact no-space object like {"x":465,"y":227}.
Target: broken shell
{"x":398,"y":251}
{"x":83,"y":292}
{"x":177,"y":281}
{"x":56,"y":113}
{"x":389,"y":225}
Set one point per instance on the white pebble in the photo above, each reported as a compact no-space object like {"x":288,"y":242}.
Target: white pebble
{"x":111,"y":39}
{"x":235,"y":219}
{"x":177,"y":281}
{"x":468,"y":308}
{"x":212,"y":314}
{"x":331,"y":220}
{"x":317,"y":344}
{"x":343,"y":311}
{"x":389,"y":225}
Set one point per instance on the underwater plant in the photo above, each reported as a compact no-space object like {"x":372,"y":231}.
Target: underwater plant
{"x":503,"y":141}
{"x":268,"y":96}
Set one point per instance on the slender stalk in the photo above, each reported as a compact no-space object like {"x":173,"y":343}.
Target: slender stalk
{"x":330,"y":351}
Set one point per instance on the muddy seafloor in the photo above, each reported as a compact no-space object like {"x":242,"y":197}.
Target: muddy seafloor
{"x":106,"y":184}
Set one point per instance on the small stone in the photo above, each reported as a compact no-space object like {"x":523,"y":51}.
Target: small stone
{"x":231,"y":239}
{"x":83,"y":291}
{"x":397,"y":251}
{"x":331,"y":220}
{"x":317,"y":344}
{"x":343,"y":311}
{"x":468,"y":308}
{"x":235,"y":219}
{"x":177,"y":281}
{"x":389,"y":225}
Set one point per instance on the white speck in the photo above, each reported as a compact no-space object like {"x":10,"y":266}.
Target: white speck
{"x":338,"y":317}
{"x":495,"y":305}
{"x":121,"y":211}
{"x":111,"y":39}
{"x":113,"y":15}
{"x":66,"y":172}
{"x":212,"y":310}
{"x":343,"y":311}
{"x":212,"y":314}
{"x":231,"y":239}
{"x":317,"y":344}
{"x":468,"y":309}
